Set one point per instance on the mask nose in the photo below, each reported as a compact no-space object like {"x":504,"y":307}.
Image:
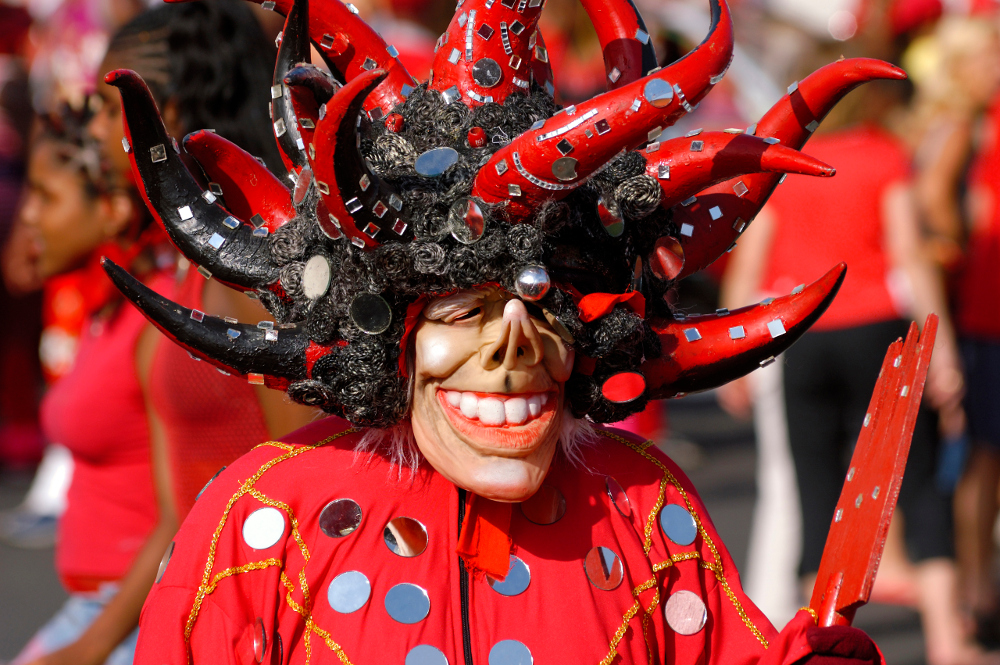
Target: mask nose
{"x":518,"y":341}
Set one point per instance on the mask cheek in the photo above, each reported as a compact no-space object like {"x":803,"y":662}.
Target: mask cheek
{"x":436,"y":356}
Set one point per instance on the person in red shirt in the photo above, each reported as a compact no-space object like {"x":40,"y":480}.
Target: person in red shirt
{"x":866,"y":216}
{"x":132,"y":481}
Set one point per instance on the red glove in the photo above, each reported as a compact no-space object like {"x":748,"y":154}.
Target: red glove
{"x":840,"y":645}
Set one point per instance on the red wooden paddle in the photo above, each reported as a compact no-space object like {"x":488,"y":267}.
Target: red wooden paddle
{"x":860,"y":523}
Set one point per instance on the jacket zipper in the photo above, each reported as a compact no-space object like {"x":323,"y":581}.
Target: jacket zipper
{"x":463,"y":584}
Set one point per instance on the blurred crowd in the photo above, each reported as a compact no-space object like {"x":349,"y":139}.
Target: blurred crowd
{"x":125,"y":428}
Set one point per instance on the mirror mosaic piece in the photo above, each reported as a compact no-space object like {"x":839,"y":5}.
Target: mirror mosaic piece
{"x":316,"y":277}
{"x":466,"y":222}
{"x":371,"y":313}
{"x":546,"y":506}
{"x":685,"y":612}
{"x":263,"y":528}
{"x":604,"y":569}
{"x":436,"y":161}
{"x":259,"y":641}
{"x":340,"y":518}
{"x":348,"y":592}
{"x":517,"y":580}
{"x":405,"y":536}
{"x":678,"y":524}
{"x":618,"y":497}
{"x":425,"y":654}
{"x":407,"y":603}
{"x":164,"y":562}
{"x":510,"y":652}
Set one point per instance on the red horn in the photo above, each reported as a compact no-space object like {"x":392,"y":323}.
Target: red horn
{"x":248,"y":187}
{"x":562,"y":153}
{"x":359,"y":202}
{"x":703,"y":352}
{"x":625,"y":42}
{"x":687,"y":165}
{"x":487,"y":52}
{"x":351,"y":48}
{"x":791,"y":121}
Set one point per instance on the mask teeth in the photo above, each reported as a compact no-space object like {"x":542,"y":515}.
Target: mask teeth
{"x":358,"y":202}
{"x":551,"y":160}
{"x":233,"y":169}
{"x":740,"y":199}
{"x":707,"y":351}
{"x":236,"y":254}
{"x":271,"y":353}
{"x":625,"y":43}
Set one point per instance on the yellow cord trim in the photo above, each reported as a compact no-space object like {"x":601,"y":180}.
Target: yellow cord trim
{"x":812,"y":612}
{"x":662,"y":565}
{"x":685,"y":556}
{"x":207,"y":581}
{"x":276,"y":444}
{"x":716,"y":566}
{"x":245,"y":568}
{"x":620,"y":633}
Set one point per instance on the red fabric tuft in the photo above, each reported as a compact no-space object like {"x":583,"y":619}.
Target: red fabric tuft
{"x":595,"y":305}
{"x":484,"y":542}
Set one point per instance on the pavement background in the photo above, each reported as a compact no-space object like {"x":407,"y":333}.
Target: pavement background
{"x":724,"y":476}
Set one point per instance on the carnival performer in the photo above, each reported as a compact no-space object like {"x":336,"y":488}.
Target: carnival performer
{"x":126,"y":500}
{"x":467,"y":278}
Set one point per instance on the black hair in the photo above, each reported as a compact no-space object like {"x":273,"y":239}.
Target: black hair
{"x":213,"y":62}
{"x":359,"y":378}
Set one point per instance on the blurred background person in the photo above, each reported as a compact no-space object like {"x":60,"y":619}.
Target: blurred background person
{"x":146,"y":428}
{"x":865,"y":217}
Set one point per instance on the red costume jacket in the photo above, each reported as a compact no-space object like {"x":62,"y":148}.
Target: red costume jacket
{"x":219,"y":600}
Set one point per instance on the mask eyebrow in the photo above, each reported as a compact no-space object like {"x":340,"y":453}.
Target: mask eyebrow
{"x":442,"y":308}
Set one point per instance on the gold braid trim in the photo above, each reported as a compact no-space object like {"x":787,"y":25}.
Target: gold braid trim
{"x":246,"y":488}
{"x":620,"y":633}
{"x":716,"y":566}
{"x":276,"y":444}
{"x":245,"y":568}
{"x":685,"y":556}
{"x":812,"y":613}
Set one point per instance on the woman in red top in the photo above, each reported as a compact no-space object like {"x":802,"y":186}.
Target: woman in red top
{"x":864,"y":217}
{"x":133,"y":486}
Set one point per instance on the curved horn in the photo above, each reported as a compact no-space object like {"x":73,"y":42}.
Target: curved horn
{"x":625,"y":43}
{"x":294,"y":48}
{"x":234,"y":253}
{"x":791,"y":121}
{"x":703,"y":352}
{"x":309,"y":88}
{"x":687,"y":165}
{"x":249,"y":188}
{"x":486,"y":52}
{"x":240,"y":347}
{"x":359,"y":202}
{"x":561,"y":154}
{"x":351,"y":48}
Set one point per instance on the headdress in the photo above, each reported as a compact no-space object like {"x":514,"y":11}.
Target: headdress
{"x":406,"y":190}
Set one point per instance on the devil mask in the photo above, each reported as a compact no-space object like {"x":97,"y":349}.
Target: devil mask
{"x":401,"y":192}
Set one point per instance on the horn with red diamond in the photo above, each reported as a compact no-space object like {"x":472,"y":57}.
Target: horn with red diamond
{"x":358,"y":201}
{"x":703,"y":352}
{"x":712,"y":223}
{"x":248,"y":188}
{"x":560,"y":154}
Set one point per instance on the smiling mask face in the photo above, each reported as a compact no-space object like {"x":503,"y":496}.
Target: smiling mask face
{"x":488,"y":393}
